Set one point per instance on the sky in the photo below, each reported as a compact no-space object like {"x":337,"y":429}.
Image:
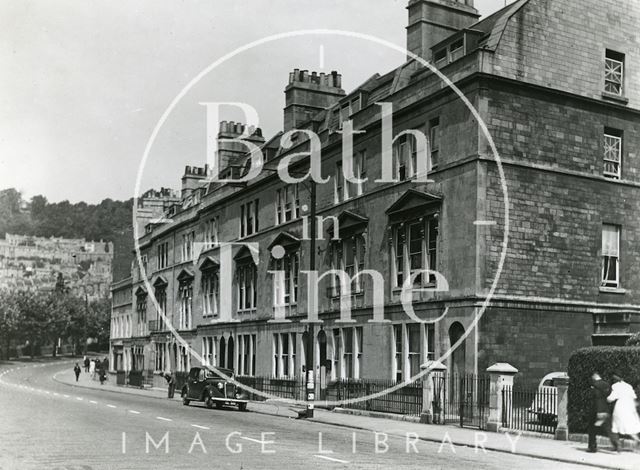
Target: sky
{"x":83,"y":83}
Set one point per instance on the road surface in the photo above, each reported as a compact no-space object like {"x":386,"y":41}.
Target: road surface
{"x":49,"y":425}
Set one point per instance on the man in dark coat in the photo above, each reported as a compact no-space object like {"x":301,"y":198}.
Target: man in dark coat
{"x":86,"y":364}
{"x":171,"y":380}
{"x":600,"y":415}
{"x":77,"y":370}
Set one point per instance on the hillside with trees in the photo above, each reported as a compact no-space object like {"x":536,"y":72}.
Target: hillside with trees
{"x":109,"y":220}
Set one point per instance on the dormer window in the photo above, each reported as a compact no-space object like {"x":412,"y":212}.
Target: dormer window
{"x":456,"y":50}
{"x":440,"y":57}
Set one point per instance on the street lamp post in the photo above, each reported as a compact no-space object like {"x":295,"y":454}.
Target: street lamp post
{"x":311,"y":369}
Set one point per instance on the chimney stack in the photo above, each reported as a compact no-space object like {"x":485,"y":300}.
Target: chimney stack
{"x":432,"y":21}
{"x":308,"y":93}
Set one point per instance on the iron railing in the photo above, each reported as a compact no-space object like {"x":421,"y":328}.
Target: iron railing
{"x":289,"y":388}
{"x":530,"y":410}
{"x":463,"y":399}
{"x":406,"y":400}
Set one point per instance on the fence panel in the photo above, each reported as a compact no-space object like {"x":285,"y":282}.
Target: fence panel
{"x":530,"y":410}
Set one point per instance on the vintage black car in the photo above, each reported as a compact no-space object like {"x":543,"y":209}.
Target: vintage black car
{"x":211,"y":388}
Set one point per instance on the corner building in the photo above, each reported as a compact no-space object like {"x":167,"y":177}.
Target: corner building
{"x":557,"y":84}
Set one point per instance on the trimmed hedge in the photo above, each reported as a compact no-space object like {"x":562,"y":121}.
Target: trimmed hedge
{"x":604,"y":360}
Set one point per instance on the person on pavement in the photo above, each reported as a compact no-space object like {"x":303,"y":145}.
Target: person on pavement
{"x":77,"y":371}
{"x":103,"y":375}
{"x":171,"y":380}
{"x":625,"y":416}
{"x":600,"y":416}
{"x":86,"y":364}
{"x":92,"y":368}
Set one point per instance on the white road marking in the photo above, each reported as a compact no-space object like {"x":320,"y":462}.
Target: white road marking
{"x":163,"y":419}
{"x":199,"y":427}
{"x":331,"y":459}
{"x":56,"y":394}
{"x":112,"y":406}
{"x":93,"y":401}
{"x":79,"y":398}
{"x":66,"y":396}
{"x":134,"y":412}
{"x":251,"y":439}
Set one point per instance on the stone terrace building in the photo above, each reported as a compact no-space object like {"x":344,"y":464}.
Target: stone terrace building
{"x":557,"y":84}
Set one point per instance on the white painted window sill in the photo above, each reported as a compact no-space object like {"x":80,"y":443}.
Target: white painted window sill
{"x":613,"y":290}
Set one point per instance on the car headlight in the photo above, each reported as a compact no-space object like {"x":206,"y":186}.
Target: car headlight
{"x":220,"y":386}
{"x":237,"y":395}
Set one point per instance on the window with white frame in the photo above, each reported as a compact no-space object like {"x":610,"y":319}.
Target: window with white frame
{"x":209,"y":350}
{"x":336,"y":356}
{"x":163,"y":255}
{"x":614,"y":73}
{"x":402,"y":150}
{"x":359,"y":173}
{"x":160,"y":363}
{"x":249,"y":218}
{"x":398,"y":341}
{"x":284,"y":355}
{"x":359,"y":351}
{"x":348,"y":255}
{"x":161,"y":298}
{"x":414,"y":344}
{"x":246,"y":282}
{"x":141,"y":309}
{"x":434,"y":139}
{"x":413,"y":349}
{"x":246,"y":354}
{"x":287,"y":204}
{"x":610,"y":256}
{"x":347,"y":353}
{"x":185,"y":292}
{"x":340,"y":189}
{"x":285,"y":281}
{"x":414,"y":249}
{"x":210,"y":293}
{"x":211,"y":232}
{"x":187,"y":245}
{"x":612,"y":153}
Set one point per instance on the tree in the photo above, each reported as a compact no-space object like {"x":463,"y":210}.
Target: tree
{"x":634,"y":340}
{"x":10,"y":321}
{"x":33,"y":314}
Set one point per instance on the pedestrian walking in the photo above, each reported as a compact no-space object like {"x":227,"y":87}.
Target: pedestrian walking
{"x":171,"y":380}
{"x":92,"y":368}
{"x":77,"y":371}
{"x":103,"y":375}
{"x":86,"y":364}
{"x":625,"y":416}
{"x":600,"y":415}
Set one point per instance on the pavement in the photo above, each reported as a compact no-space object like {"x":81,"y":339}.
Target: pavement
{"x":447,"y":438}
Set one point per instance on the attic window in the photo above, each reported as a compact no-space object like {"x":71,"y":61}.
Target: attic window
{"x":456,"y":50}
{"x":440,"y":57}
{"x":355,"y":104}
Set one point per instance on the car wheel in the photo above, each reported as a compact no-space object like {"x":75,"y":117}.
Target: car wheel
{"x":242,"y":407}
{"x":209,"y":401}
{"x":219,"y":405}
{"x":185,"y":400}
